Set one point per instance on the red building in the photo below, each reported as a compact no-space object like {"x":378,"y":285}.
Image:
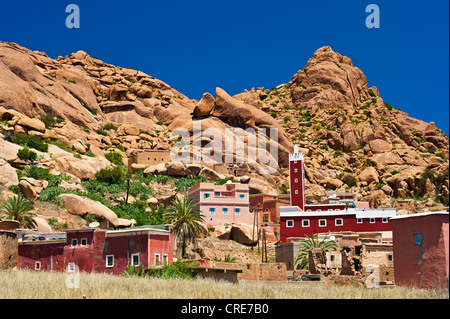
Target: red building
{"x":295,"y":223}
{"x":268,"y":206}
{"x":332,"y":215}
{"x":93,"y":250}
{"x":421,"y":250}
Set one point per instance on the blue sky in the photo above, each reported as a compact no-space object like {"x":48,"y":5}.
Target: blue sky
{"x":196,"y":46}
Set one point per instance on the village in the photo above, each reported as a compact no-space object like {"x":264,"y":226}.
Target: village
{"x":336,"y":240}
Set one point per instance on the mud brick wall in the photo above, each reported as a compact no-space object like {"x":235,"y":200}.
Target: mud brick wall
{"x":257,"y":272}
{"x":8,"y":249}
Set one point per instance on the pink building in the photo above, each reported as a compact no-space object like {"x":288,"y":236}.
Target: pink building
{"x":222,"y":204}
{"x":92,"y":250}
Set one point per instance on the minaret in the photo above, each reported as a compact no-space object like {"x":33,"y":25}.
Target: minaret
{"x":297,"y":179}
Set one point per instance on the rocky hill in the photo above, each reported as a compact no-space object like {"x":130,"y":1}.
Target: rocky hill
{"x":351,"y":138}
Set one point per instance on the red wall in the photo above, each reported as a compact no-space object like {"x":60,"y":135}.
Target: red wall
{"x":92,"y":257}
{"x":297,"y":199}
{"x":349,"y":224}
{"x":435,"y":251}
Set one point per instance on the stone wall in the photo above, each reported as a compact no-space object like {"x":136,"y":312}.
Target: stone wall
{"x":257,"y":272}
{"x":8,"y":249}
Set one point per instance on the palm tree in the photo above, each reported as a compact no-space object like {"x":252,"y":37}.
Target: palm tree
{"x":32,"y":171}
{"x":18,"y":208}
{"x":186,"y":219}
{"x":301,"y":259}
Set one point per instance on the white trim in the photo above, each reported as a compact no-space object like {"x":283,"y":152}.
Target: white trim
{"x":165,"y":257}
{"x":420,"y":215}
{"x":36,"y":263}
{"x":306,"y":220}
{"x":106,"y":261}
{"x":374,"y":220}
{"x":81,"y":243}
{"x":159,"y":258}
{"x":359,"y":220}
{"x":322,"y":225}
{"x":336,"y":222}
{"x":385,"y":220}
{"x":287,"y":223}
{"x":139,"y":259}
{"x":74,"y":240}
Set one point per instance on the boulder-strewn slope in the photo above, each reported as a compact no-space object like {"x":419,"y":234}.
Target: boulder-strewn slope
{"x":351,"y":138}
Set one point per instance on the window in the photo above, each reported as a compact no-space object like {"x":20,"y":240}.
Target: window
{"x":135,"y":259}
{"x":296,"y":180}
{"x":290,"y":223}
{"x":83,"y":241}
{"x":296,"y":191}
{"x":212,"y":210}
{"x":332,"y":258}
{"x":109,"y":261}
{"x":37,"y":265}
{"x":385,"y":220}
{"x":206,"y":195}
{"x":338,"y":222}
{"x":359,"y":220}
{"x":372,"y":220}
{"x":216,"y":194}
{"x":330,"y":209}
{"x":71,"y":267}
{"x":318,"y":210}
{"x":322,"y":222}
{"x":211,"y":219}
{"x":74,"y":242}
{"x":308,"y":210}
{"x":165,"y":259}
{"x":389,"y":258}
{"x":157,"y":259}
{"x":237,"y":211}
{"x":305,"y":222}
{"x":225,"y":211}
{"x":241,"y":196}
{"x":295,"y":170}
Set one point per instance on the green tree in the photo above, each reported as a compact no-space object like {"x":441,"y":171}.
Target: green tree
{"x":301,"y":259}
{"x":187,"y":221}
{"x":18,"y":208}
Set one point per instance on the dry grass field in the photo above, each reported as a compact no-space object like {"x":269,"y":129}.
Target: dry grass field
{"x":32,"y":285}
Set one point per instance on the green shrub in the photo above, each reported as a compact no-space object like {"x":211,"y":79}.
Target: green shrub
{"x":114,"y":158}
{"x":337,"y":154}
{"x":110,"y":126}
{"x":371,"y":93}
{"x":178,"y":269}
{"x":49,"y":121}
{"x":115,"y":175}
{"x":388,"y":106}
{"x":31,"y":141}
{"x":101,"y":132}
{"x":26,"y":154}
{"x":352,"y":182}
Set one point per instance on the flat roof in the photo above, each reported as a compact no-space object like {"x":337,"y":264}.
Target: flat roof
{"x":420,"y":215}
